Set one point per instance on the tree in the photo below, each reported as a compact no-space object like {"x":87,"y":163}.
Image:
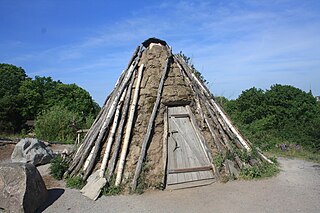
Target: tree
{"x":290,"y":106}
{"x":282,"y":113}
{"x":252,"y":105}
{"x":76,"y":99}
{"x":23,"y":98}
{"x":43,"y":93}
{"x":38,"y":95}
{"x":11,"y":77}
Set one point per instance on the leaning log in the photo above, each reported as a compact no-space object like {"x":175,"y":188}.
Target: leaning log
{"x":114,"y":157}
{"x":165,"y":145}
{"x":111,"y":136}
{"x":109,"y":116}
{"x":129,"y":128}
{"x":150,"y":127}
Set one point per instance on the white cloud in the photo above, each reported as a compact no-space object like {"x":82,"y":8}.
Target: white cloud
{"x":236,"y":44}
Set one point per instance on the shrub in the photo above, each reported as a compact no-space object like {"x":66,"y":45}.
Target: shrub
{"x":218,"y":161}
{"x":58,"y":167}
{"x":58,"y":124}
{"x":110,"y":189}
{"x":263,"y":170}
{"x":75,"y":182}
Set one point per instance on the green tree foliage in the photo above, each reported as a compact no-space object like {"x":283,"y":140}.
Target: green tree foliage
{"x":38,"y":95}
{"x":23,"y":98}
{"x":42,"y":93}
{"x":75,"y":99}
{"x":282,"y":114}
{"x":11,"y":78}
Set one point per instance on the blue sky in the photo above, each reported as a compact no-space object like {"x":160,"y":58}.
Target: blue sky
{"x":235,"y":44}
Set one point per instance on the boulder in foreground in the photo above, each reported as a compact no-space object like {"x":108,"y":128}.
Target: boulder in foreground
{"x":21,"y":188}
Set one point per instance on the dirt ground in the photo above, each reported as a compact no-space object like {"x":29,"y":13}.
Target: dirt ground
{"x":5,"y":152}
{"x":295,"y":189}
{"x":5,"y":156}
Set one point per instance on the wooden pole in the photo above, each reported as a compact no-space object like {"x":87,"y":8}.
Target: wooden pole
{"x":165,"y":145}
{"x":85,"y":148}
{"x":124,"y":114}
{"x":110,"y":115}
{"x":150,"y":126}
{"x":129,"y":128}
{"x":111,"y":136}
{"x":199,"y":108}
{"x":222,"y":124}
{"x":228,"y":122}
{"x":223,"y":115}
{"x":88,"y":141}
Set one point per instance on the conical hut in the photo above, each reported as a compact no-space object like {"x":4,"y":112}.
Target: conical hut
{"x":160,"y":127}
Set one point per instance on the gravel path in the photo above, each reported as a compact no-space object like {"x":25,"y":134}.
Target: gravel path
{"x":295,"y":189}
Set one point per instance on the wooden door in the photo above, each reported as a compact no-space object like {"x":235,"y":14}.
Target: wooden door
{"x":188,"y":165}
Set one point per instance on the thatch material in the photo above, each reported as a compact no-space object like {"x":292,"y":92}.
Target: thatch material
{"x":134,"y":119}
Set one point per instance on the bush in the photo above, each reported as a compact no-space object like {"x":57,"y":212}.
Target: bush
{"x":58,"y":167}
{"x":58,"y":124}
{"x":263,"y":170}
{"x":75,"y":182}
{"x":110,"y":190}
{"x":218,"y":161}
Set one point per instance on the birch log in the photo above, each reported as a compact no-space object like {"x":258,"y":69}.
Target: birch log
{"x":150,"y":126}
{"x":129,"y":128}
{"x":110,"y":115}
{"x":93,"y":132}
{"x":199,"y":108}
{"x":112,"y":163}
{"x":111,"y":136}
{"x":226,"y":119}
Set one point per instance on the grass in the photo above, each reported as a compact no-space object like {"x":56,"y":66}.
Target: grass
{"x":58,"y":167}
{"x":75,"y":182}
{"x":13,"y":136}
{"x":110,"y":189}
{"x":300,"y":154}
{"x":141,"y":185}
{"x":260,"y":171}
{"x":268,"y":170}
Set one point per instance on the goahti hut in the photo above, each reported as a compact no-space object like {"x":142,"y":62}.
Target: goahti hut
{"x":160,"y":127}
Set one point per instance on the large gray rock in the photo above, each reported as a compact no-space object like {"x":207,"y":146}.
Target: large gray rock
{"x":21,"y":188}
{"x":31,"y":150}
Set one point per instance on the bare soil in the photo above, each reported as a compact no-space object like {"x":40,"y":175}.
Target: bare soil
{"x":295,"y":189}
{"x":5,"y":152}
{"x":5,"y":156}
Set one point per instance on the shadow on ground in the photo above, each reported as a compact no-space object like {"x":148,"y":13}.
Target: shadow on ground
{"x":53,"y":195}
